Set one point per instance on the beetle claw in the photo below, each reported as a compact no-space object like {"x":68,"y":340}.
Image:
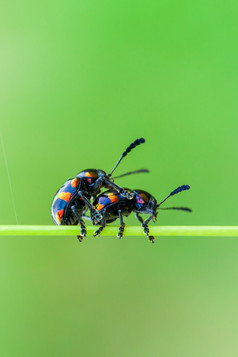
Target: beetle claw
{"x":152,"y":239}
{"x":80,"y":238}
{"x":96,"y":217}
{"x":97,"y":232}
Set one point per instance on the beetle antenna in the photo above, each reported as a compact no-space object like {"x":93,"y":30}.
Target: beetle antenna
{"x":132,"y":173}
{"x":132,"y":146}
{"x":174,"y":192}
{"x":179,"y":208}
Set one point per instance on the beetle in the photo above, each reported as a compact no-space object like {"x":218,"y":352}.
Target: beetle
{"x":73,"y":199}
{"x":113,"y":205}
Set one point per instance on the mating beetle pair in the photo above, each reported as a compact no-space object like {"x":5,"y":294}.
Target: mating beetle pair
{"x":72,"y":200}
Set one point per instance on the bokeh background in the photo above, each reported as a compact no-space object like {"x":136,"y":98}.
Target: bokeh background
{"x":79,"y":81}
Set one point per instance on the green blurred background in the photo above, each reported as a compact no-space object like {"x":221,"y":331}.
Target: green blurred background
{"x":79,"y":81}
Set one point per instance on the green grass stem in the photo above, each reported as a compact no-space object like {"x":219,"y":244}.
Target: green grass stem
{"x":182,"y":231}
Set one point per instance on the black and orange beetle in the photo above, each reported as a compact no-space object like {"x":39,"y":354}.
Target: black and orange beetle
{"x":113,"y":205}
{"x":73,"y":199}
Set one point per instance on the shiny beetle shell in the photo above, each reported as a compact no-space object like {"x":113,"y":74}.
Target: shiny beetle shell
{"x":62,"y":200}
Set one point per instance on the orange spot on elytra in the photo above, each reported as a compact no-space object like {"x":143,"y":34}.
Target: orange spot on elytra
{"x":91,"y":174}
{"x":59,"y":216}
{"x":66,"y":196}
{"x":144,"y":197}
{"x":99,"y":206}
{"x":75,"y":182}
{"x":112,"y":197}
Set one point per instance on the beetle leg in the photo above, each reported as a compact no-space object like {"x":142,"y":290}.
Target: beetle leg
{"x":86,"y":217}
{"x":96,"y":216}
{"x":145,"y":226}
{"x":139,"y":218}
{"x":83,"y":231}
{"x":100,"y":229}
{"x":98,"y":184}
{"x":85,"y":200}
{"x":122,"y":225}
{"x":122,"y":191}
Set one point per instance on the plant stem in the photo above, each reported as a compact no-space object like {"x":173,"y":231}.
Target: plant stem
{"x":199,"y":231}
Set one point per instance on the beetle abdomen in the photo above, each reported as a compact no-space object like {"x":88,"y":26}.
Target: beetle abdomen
{"x":63,"y":199}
